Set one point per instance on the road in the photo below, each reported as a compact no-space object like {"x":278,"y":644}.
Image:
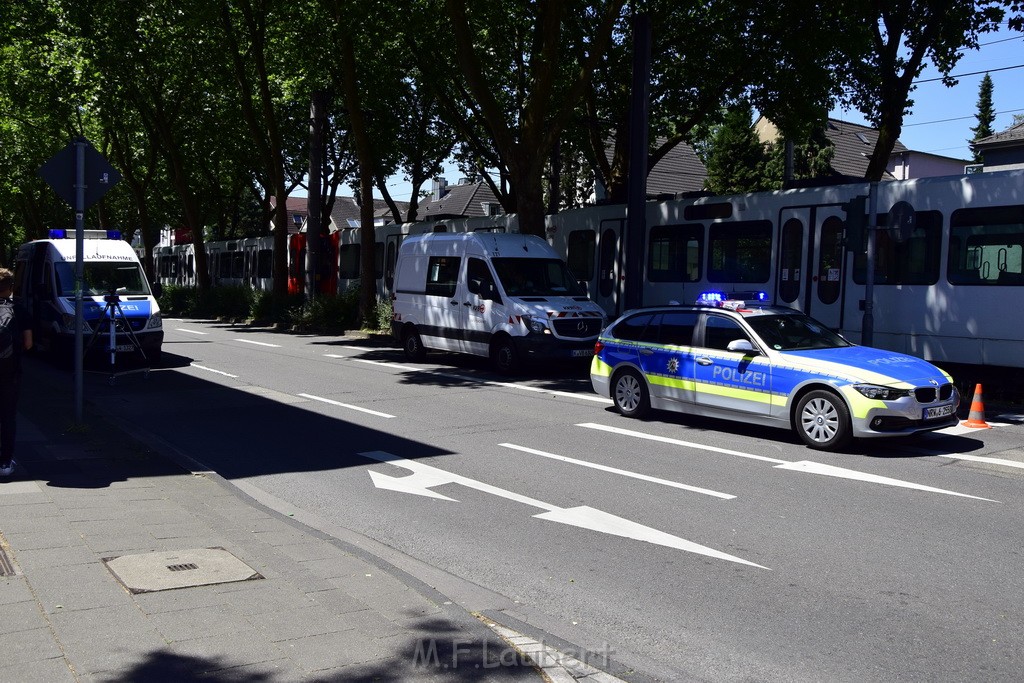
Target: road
{"x":688,"y":549}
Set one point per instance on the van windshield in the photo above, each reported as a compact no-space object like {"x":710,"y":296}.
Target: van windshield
{"x":101,"y":278}
{"x":536,"y":277}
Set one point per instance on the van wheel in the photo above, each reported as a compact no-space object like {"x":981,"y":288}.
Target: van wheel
{"x":822,"y":420}
{"x":413,"y":345}
{"x":504,"y":356}
{"x":629,"y":392}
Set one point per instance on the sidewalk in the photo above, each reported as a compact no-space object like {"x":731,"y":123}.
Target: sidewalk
{"x":119,"y":564}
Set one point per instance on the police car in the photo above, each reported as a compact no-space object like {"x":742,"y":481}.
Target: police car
{"x":742,"y":359}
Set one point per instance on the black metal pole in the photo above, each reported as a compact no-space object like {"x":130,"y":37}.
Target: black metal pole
{"x":636,"y":207}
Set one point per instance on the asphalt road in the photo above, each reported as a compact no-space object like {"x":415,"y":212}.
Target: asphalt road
{"x":690,"y":549}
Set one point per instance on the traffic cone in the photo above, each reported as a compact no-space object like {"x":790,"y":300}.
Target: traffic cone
{"x":976,"y":418}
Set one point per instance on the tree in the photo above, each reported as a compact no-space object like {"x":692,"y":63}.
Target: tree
{"x":511,"y":83}
{"x":986,"y":116}
{"x":785,"y":68}
{"x":904,"y":35}
{"x":736,"y":157}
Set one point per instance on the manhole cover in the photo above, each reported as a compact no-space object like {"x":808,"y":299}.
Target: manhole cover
{"x":163,"y":571}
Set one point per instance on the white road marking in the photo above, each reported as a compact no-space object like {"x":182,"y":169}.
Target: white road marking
{"x":345,"y":405}
{"x":219,"y":372}
{"x":182,"y":329}
{"x":829,"y":470}
{"x":614,"y":470}
{"x":803,"y":466}
{"x":679,"y":442}
{"x":258,"y":343}
{"x":334,"y":355}
{"x":424,"y":476}
{"x":963,"y":456}
{"x":404,"y":368}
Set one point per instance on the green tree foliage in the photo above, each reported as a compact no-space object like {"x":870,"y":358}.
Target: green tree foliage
{"x":736,"y":157}
{"x":812,"y":158}
{"x":986,"y":115}
{"x":509,"y":80}
{"x":779,"y":56}
{"x":904,"y":36}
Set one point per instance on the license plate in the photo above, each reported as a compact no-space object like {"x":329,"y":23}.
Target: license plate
{"x":125,"y":348}
{"x":938,"y":411}
{"x":583,"y":353}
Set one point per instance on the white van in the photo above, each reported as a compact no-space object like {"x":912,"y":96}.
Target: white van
{"x":509,"y":297}
{"x":44,"y":281}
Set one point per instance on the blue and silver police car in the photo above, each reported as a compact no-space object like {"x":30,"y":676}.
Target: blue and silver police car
{"x":749,"y":361}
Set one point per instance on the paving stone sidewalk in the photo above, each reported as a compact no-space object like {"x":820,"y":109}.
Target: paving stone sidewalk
{"x":119,"y":565}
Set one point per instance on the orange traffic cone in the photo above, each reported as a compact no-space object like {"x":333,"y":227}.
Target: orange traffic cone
{"x":977,"y":417}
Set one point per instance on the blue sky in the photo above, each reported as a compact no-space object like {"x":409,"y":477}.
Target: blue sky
{"x":941,"y":119}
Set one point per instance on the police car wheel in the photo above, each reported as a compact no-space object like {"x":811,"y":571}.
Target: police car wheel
{"x":413,"y":346}
{"x":630,"y":394}
{"x":823,"y":422}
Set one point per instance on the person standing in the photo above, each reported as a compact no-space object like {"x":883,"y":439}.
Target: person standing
{"x":15,"y":339}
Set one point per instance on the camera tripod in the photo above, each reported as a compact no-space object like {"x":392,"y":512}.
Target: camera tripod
{"x":110,"y":315}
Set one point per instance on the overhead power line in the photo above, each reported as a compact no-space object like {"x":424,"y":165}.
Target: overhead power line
{"x":973,"y":73}
{"x":959,"y":118}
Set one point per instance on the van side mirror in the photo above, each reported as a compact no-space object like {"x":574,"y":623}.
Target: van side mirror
{"x":158,"y":290}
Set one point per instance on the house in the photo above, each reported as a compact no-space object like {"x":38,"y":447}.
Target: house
{"x":297,"y":213}
{"x":346,"y":213}
{"x":465,"y":199}
{"x":1003,"y":151}
{"x":677,"y":172}
{"x":854,"y":143}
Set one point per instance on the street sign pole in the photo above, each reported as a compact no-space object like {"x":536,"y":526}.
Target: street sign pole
{"x":80,"y":144}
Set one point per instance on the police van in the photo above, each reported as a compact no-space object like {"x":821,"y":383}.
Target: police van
{"x":742,"y":359}
{"x":507,"y":297}
{"x":114,"y":286}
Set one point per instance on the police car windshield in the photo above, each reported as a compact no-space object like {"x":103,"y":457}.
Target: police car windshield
{"x":794,"y":332}
{"x":101,"y":278}
{"x":536,"y":277}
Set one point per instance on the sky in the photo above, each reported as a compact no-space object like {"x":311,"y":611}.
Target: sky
{"x":941,"y":119}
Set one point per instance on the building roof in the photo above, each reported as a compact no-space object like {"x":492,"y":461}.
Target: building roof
{"x":678,"y":171}
{"x":345,"y":213}
{"x":853,"y":146}
{"x":464,"y":200}
{"x":1012,"y":136}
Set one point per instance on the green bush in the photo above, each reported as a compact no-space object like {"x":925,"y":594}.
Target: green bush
{"x":325,"y":314}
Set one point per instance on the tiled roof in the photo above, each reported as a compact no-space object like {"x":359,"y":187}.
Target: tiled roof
{"x":679,"y":171}
{"x":853,"y":146}
{"x":465,"y":200}
{"x":1012,"y":135}
{"x":345,"y":212}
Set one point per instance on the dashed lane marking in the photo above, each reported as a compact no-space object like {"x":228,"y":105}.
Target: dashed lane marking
{"x":614,"y":470}
{"x":345,"y":405}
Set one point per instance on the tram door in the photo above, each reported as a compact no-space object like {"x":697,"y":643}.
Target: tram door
{"x":391,"y":244}
{"x":609,"y":268}
{"x":810,"y":272}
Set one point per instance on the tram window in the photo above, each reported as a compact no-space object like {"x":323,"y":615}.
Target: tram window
{"x":389,"y":272}
{"x":914,"y":262}
{"x":790,"y":256}
{"x":609,"y":251}
{"x":674,"y":253}
{"x":349,"y":258}
{"x":265,"y":263}
{"x":224,"y":265}
{"x":739,"y":252}
{"x":986,"y":246}
{"x":830,"y":260}
{"x":237,"y":264}
{"x":580,"y":258}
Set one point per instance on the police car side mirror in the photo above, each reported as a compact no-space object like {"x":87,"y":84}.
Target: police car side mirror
{"x":742,"y":345}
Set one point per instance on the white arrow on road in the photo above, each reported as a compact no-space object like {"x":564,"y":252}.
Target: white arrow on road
{"x":424,"y":476}
{"x":802,"y":466}
{"x":842,"y":473}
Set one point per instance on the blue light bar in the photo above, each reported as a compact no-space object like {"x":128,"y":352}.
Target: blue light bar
{"x":65,"y":234}
{"x":58,"y":234}
{"x":711,"y":298}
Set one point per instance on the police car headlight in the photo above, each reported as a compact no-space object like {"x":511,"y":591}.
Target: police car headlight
{"x":536,"y":325}
{"x":879,"y":393}
{"x":155,"y":322}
